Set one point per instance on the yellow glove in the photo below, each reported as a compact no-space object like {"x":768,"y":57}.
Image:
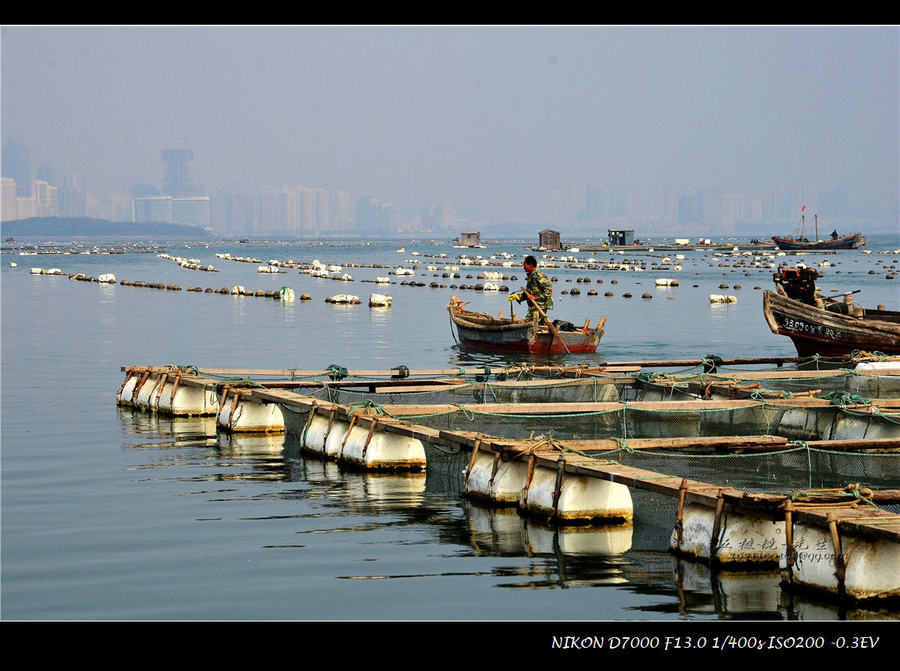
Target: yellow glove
{"x":514,"y":297}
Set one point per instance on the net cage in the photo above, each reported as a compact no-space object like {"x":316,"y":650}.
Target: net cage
{"x":797,"y":466}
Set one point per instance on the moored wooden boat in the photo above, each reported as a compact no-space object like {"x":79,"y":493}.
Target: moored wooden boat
{"x":852,"y":241}
{"x":789,"y":243}
{"x":485,"y":333}
{"x":823,"y":326}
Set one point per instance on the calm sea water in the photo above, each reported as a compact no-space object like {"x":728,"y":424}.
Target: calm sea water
{"x":109,"y":514}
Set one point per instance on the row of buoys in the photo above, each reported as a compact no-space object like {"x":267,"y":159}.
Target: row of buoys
{"x":150,"y":285}
{"x":361,"y":446}
{"x":242,"y":259}
{"x":375,"y":300}
{"x":546,"y":492}
{"x":106,"y":278}
{"x":167,"y":394}
{"x":867,"y":567}
{"x":190,"y":264}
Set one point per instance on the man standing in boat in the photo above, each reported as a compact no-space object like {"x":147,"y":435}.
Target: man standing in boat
{"x":538,"y":288}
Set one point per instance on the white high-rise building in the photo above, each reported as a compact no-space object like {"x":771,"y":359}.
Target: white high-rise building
{"x":340,"y":211}
{"x":45,"y":198}
{"x":192,"y":211}
{"x":148,"y":209}
{"x":8,"y":201}
{"x":732,"y":211}
{"x":323,"y":220}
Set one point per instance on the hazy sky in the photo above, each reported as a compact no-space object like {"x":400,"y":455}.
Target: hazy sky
{"x":489,"y":118}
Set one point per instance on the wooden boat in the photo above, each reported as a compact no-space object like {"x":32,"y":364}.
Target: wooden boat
{"x":852,"y":241}
{"x":486,"y":333}
{"x":826,"y":327}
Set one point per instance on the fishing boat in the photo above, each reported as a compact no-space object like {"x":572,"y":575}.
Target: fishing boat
{"x":788,"y":243}
{"x":826,"y":326}
{"x":485,"y":333}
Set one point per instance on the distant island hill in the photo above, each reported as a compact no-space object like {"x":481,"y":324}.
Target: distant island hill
{"x":75,"y":227}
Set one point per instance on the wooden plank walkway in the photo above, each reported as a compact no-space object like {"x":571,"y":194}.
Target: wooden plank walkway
{"x":860,"y":520}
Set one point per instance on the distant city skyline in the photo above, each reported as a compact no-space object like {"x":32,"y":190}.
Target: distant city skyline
{"x":299,"y":211}
{"x":489,"y":121}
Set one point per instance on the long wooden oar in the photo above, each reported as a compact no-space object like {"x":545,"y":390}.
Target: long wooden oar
{"x":547,"y":321}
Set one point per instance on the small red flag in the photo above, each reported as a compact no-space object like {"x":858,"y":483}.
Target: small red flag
{"x":803,"y":208}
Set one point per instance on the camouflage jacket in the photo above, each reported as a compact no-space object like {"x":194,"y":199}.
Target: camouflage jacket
{"x":540,"y":287}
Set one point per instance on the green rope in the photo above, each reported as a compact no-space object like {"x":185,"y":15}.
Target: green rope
{"x":854,"y":494}
{"x":469,"y":414}
{"x":623,"y":445}
{"x":336,"y":372}
{"x":842,"y":398}
{"x":366,"y":405}
{"x":238,"y":382}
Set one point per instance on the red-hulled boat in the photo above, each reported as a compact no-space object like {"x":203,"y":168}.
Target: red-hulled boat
{"x":788,"y":243}
{"x":485,"y":333}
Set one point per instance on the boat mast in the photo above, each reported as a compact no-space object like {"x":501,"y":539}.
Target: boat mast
{"x":817,"y":227}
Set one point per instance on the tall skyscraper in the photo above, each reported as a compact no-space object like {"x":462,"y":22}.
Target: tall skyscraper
{"x":177,"y":172}
{"x":8,"y":200}
{"x":17,"y":164}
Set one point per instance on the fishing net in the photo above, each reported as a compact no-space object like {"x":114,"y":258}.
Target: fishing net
{"x":797,"y":466}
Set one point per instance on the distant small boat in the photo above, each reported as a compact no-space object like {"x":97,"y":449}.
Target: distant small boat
{"x":826,"y":327}
{"x":788,"y":243}
{"x":484,"y":333}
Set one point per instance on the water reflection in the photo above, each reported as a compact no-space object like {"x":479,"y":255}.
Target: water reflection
{"x":470,"y":358}
{"x":316,"y":498}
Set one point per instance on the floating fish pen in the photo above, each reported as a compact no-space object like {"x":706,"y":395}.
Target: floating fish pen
{"x":561,"y":447}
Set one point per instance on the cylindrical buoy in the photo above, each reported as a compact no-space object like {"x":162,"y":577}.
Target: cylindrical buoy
{"x":371,"y":449}
{"x":494,"y":480}
{"x":568,"y":498}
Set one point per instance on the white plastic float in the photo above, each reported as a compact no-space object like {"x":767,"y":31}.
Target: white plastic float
{"x":722,"y":298}
{"x":344,"y":299}
{"x":876,"y":379}
{"x":363,"y":445}
{"x":576,"y":498}
{"x":871,"y":568}
{"x":741,"y":539}
{"x":375,"y":450}
{"x":380,"y":300}
{"x":239,"y":414}
{"x":489,"y":478}
{"x":167,"y":394}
